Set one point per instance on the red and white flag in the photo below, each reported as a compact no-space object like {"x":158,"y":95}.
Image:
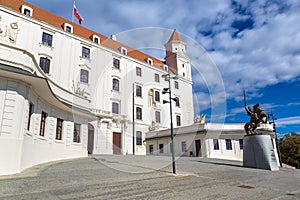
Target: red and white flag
{"x":76,"y":14}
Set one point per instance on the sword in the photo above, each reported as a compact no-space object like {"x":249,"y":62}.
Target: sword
{"x":245,"y":103}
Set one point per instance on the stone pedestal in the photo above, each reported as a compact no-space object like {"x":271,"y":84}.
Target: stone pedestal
{"x":259,"y":152}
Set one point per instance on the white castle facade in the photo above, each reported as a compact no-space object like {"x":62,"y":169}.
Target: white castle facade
{"x":66,"y":91}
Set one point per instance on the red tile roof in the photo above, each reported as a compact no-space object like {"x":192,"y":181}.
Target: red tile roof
{"x":175,"y":37}
{"x":56,"y":21}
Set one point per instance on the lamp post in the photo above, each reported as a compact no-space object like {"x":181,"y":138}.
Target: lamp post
{"x":133,"y":122}
{"x":168,"y":78}
{"x":276,"y":138}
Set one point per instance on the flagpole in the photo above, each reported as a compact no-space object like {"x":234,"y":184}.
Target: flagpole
{"x":73,"y":11}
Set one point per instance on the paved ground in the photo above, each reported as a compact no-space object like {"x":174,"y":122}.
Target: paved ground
{"x":149,"y":177}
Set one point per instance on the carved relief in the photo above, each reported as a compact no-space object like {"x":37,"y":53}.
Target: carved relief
{"x":199,"y":119}
{"x":153,"y":126}
{"x":77,"y":90}
{"x":11,"y":32}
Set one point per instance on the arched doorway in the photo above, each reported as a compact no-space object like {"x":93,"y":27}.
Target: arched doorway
{"x":90,"y":138}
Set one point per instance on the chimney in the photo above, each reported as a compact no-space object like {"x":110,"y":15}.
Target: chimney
{"x":113,"y":37}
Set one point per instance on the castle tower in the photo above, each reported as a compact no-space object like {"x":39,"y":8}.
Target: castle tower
{"x":176,"y":57}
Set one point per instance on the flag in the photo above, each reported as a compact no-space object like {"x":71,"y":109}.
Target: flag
{"x":76,"y":14}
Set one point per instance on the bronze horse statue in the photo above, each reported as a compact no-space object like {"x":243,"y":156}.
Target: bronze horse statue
{"x":257,"y":116}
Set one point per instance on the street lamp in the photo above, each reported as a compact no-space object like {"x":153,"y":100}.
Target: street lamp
{"x":277,"y":143}
{"x":168,"y":77}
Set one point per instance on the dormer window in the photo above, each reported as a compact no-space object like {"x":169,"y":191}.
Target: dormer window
{"x":68,"y":27}
{"x":149,"y":61}
{"x":96,"y":39}
{"x":26,"y":10}
{"x":166,"y":68}
{"x":123,"y":50}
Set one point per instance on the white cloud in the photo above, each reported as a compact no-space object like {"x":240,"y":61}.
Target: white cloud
{"x":288,"y":121}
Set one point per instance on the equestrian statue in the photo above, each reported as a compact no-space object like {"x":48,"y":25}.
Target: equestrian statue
{"x":257,"y":116}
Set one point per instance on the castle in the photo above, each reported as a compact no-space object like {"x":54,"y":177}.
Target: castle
{"x":67,"y":91}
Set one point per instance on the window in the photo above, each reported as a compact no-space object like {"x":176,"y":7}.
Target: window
{"x":139,"y":138}
{"x":68,"y":27}
{"x":177,"y":104}
{"x":241,"y":143}
{"x":31,"y":109}
{"x":26,"y":10}
{"x":96,"y":39}
{"x":76,"y":134}
{"x":178,"y":120}
{"x":116,"y":63}
{"x":47,"y":39}
{"x":182,"y":65}
{"x":157,"y":116}
{"x":45,"y":64}
{"x":115,"y":84}
{"x":149,"y":61}
{"x":43,"y":123}
{"x":161,"y":148}
{"x":123,"y":50}
{"x":84,"y":76}
{"x":151,"y":149}
{"x":183,"y":74}
{"x":156,"y":77}
{"x":157,"y":96}
{"x":138,"y":71}
{"x":115,"y":108}
{"x":228,"y":144}
{"x":138,"y":113}
{"x":176,"y":84}
{"x":138,"y":91}
{"x":166,"y":68}
{"x":216,"y":144}
{"x":183,"y":146}
{"x":85,"y":53}
{"x":59,"y":123}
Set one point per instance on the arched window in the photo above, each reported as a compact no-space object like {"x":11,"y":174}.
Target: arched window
{"x":138,"y":113}
{"x":157,"y":96}
{"x":139,"y":138}
{"x":45,"y":64}
{"x":157,"y":116}
{"x":84,"y":76}
{"x":115,"y":108}
{"x":115,"y":84}
{"x":116,"y":63}
{"x":138,"y":91}
{"x":178,"y":120}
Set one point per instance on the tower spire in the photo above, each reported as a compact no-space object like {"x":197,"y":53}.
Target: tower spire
{"x":175,"y":37}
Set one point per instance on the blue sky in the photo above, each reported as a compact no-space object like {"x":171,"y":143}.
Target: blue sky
{"x":255,"y":45}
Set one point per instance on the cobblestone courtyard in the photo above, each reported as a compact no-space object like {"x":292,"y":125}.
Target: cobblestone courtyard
{"x":149,"y":177}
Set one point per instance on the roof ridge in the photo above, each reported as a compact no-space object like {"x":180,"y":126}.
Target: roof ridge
{"x":78,"y":30}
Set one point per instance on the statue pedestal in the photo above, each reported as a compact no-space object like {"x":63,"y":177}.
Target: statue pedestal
{"x":258,"y":152}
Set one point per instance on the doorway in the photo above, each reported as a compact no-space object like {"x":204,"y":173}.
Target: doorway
{"x":90,"y":139}
{"x":117,"y":143}
{"x":198,"y":148}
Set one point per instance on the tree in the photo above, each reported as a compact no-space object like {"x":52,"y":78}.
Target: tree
{"x":290,"y":149}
